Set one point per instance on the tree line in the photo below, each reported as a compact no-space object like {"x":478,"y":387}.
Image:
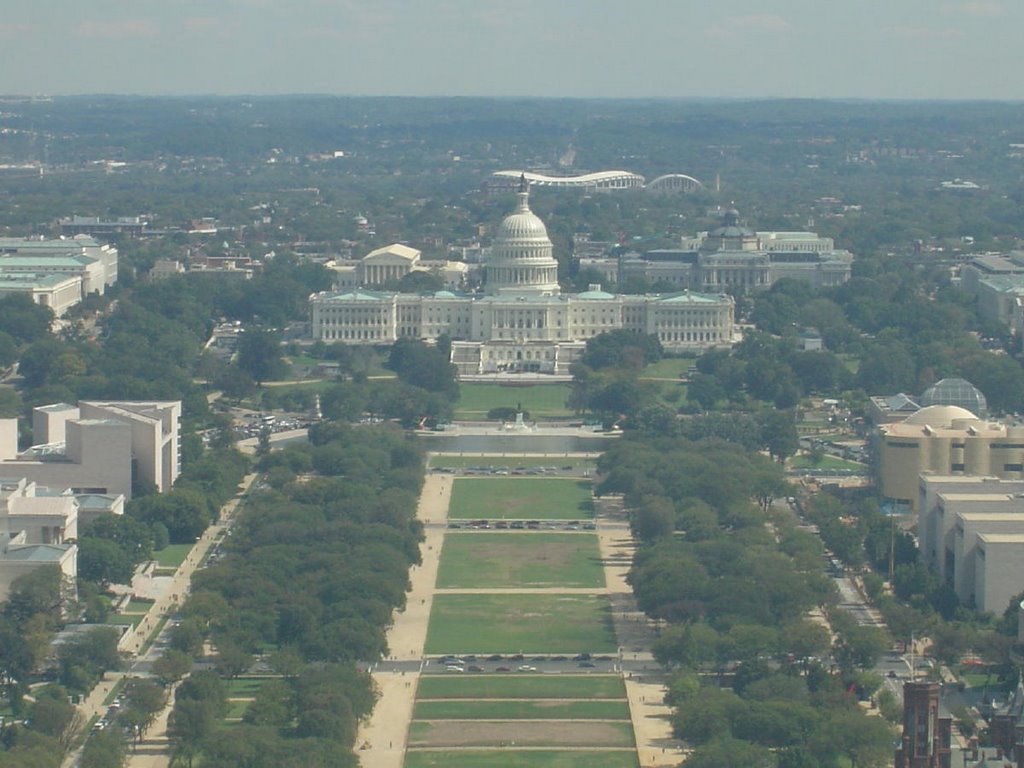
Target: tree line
{"x":316,"y":564}
{"x":734,"y":583}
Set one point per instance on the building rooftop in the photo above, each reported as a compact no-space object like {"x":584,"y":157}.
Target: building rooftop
{"x":95,"y":501}
{"x":71,"y":244}
{"x":939,"y":416}
{"x":38,"y":553}
{"x":1002,"y":538}
{"x":20,"y":280}
{"x":993,"y":497}
{"x":57,"y":408}
{"x":993,"y":517}
{"x":688,"y":297}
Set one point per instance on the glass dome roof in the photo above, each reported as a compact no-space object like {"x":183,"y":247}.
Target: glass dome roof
{"x":958,"y":392}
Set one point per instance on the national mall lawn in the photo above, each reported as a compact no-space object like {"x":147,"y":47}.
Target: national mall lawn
{"x":520,"y":498}
{"x":520,"y":623}
{"x":509,"y":559}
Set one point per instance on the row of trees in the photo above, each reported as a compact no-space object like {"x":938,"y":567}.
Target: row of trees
{"x":315,"y":567}
{"x":735,"y":583}
{"x":28,"y":619}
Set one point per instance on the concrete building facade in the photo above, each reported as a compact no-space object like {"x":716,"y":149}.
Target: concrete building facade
{"x":944,"y":440}
{"x":97,"y":447}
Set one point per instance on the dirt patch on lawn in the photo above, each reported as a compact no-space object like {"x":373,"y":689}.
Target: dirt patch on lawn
{"x":464,"y":733}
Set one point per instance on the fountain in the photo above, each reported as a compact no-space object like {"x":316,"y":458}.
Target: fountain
{"x":519,"y":425}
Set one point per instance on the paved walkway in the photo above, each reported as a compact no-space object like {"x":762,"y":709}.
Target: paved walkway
{"x":381,"y":740}
{"x":652,"y":727}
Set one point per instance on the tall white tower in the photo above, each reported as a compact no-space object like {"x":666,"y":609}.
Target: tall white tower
{"x":522,"y":258}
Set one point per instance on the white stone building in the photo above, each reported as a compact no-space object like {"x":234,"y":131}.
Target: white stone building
{"x":521,"y":322}
{"x":390,"y":264}
{"x":735,"y":258}
{"x":56,"y":273}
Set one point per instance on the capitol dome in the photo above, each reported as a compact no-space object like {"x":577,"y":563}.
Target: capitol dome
{"x":522,"y":257}
{"x":523,"y":225}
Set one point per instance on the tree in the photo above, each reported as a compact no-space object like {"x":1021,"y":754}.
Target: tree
{"x":23,"y":319}
{"x":865,"y":740}
{"x":705,"y":390}
{"x":778,"y":434}
{"x":104,"y":749}
{"x":38,"y":592}
{"x":655,"y":518}
{"x":187,"y":637}
{"x":83,"y":660}
{"x":426,"y":367}
{"x":135,"y":538}
{"x":259,"y":355}
{"x":272,"y":706}
{"x":144,"y":699}
{"x":231,"y":660}
{"x":860,"y":646}
{"x":15,"y":662}
{"x":172,"y":666}
{"x":420,"y":281}
{"x":185,"y":512}
{"x":190,"y":724}
{"x":622,"y":349}
{"x":103,"y":561}
{"x":54,"y":717}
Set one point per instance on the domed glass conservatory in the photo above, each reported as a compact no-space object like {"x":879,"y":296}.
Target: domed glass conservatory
{"x":958,"y":392}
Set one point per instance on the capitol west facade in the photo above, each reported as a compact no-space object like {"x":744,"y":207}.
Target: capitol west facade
{"x":522,"y":322}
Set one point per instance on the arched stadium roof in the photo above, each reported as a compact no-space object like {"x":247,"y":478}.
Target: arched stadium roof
{"x":599,"y":180}
{"x":674,"y":182}
{"x":669,"y":182}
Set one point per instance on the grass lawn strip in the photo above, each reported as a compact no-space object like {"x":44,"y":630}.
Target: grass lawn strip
{"x":804,"y":461}
{"x":172,"y":555}
{"x":495,"y":560}
{"x":515,"y":498}
{"x":246,"y":687}
{"x":522,"y":687}
{"x":529,"y":624}
{"x":531,"y":733}
{"x":540,"y":401}
{"x":506,"y":758}
{"x":518,"y":709}
{"x":668,"y":368}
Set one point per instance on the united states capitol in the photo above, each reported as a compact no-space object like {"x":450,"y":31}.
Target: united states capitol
{"x":521,"y":322}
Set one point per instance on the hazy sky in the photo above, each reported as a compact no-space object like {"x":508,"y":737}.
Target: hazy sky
{"x":950,"y":49}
